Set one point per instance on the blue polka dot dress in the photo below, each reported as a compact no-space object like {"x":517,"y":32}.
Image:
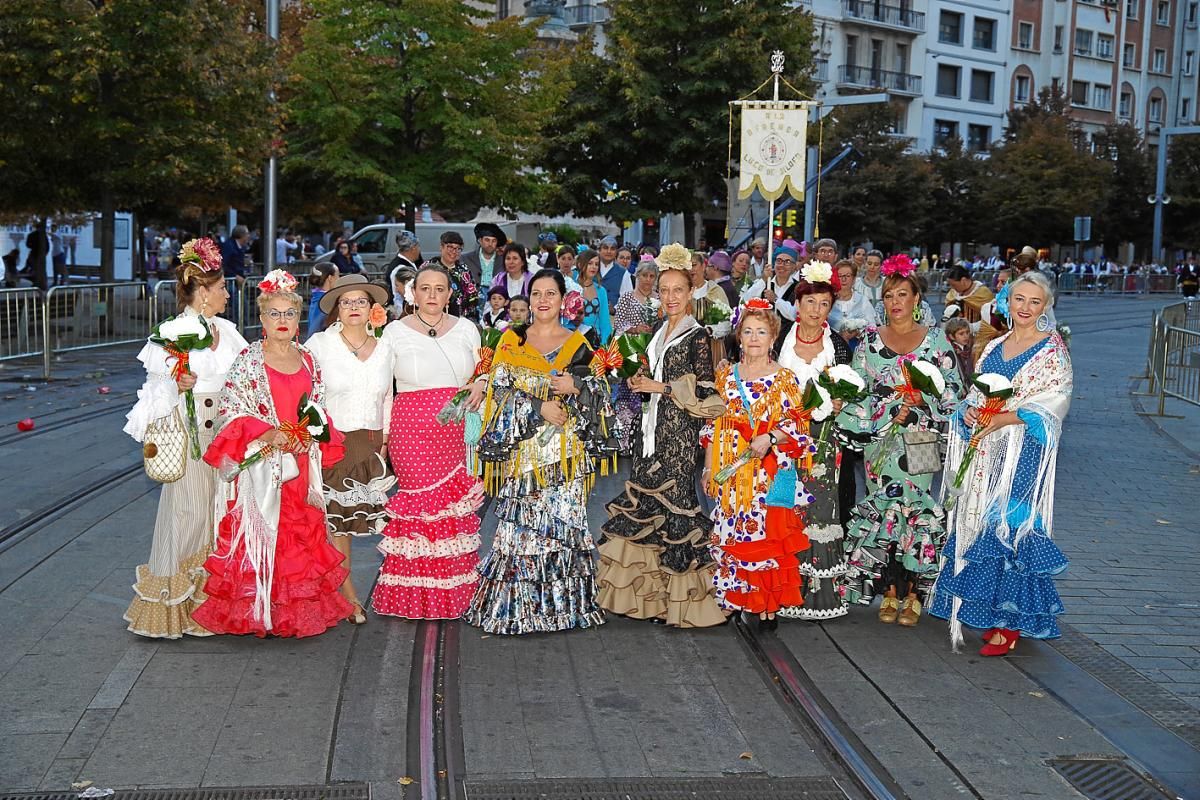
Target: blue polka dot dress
{"x":1000,"y":588}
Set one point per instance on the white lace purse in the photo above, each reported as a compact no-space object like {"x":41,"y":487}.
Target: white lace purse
{"x":164,"y":448}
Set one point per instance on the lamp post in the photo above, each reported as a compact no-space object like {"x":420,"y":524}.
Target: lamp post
{"x":1160,"y":197}
{"x":269,"y":199}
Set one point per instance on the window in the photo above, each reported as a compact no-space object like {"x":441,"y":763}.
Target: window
{"x":1102,"y":97}
{"x":985,"y":34}
{"x":1056,"y":85}
{"x":1189,"y":59}
{"x":1159,"y":64}
{"x":1079,"y":93}
{"x":1185,"y":110}
{"x":1021,"y":92}
{"x":943,"y":131}
{"x":901,"y":58}
{"x":1104,"y":46}
{"x":1156,"y":105}
{"x":1058,"y":38}
{"x":1129,"y":55}
{"x":947,"y":80}
{"x":1025,"y":35}
{"x":950,"y":28}
{"x":1125,"y":108}
{"x":1131,"y":9}
{"x":979,"y":138}
{"x":1193,"y":10}
{"x":1083,"y":42}
{"x":851,"y":51}
{"x":1162,"y":12}
{"x":981,"y":85}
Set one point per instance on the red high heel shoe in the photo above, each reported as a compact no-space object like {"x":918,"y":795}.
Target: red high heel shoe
{"x":1009,"y":639}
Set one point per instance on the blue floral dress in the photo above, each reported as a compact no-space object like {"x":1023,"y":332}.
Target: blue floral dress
{"x":1000,"y":588}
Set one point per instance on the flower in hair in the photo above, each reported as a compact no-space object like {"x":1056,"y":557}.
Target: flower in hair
{"x":204,"y":253}
{"x":899,"y":264}
{"x":277,"y":280}
{"x":818,"y":272}
{"x":758,"y":304}
{"x":674,"y":256}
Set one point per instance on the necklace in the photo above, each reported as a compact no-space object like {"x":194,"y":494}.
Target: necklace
{"x":432,"y":328}
{"x":820,"y":336}
{"x":354,"y":349}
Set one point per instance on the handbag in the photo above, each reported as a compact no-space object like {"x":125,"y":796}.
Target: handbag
{"x":472,"y":428}
{"x":782,"y":493}
{"x":164,"y":448}
{"x":921,"y":452}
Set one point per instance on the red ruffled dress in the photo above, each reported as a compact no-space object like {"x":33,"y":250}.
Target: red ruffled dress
{"x":305,"y":600}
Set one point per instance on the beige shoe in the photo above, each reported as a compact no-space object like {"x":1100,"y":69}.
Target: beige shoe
{"x":912,"y":611}
{"x":888,"y":610}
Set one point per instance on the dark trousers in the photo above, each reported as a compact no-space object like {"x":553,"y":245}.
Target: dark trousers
{"x":848,"y":484}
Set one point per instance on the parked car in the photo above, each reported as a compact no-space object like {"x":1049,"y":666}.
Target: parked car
{"x":377,"y":243}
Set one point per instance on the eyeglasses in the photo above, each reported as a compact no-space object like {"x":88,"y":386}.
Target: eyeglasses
{"x":453,"y":246}
{"x":786,"y":261}
{"x":278,"y":315}
{"x":359,"y":303}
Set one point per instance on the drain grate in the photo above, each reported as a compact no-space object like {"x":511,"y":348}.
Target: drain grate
{"x":1106,"y":779}
{"x":338,"y":791}
{"x":818,"y":788}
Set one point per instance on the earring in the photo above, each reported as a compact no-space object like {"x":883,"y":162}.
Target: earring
{"x":204,"y":307}
{"x":1043,"y":323}
{"x":917,"y":314}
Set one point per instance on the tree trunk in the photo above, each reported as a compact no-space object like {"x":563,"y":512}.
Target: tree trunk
{"x":108,"y":215}
{"x":410,"y":214}
{"x":691,"y":224}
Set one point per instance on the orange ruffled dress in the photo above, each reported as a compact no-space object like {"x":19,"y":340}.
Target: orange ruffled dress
{"x":754,"y":544}
{"x":308,"y":569}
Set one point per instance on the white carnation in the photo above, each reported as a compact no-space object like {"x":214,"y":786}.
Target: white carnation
{"x":994,"y":382}
{"x":844,"y":373}
{"x":930,"y":371}
{"x":822,"y":411}
{"x":183,"y":325}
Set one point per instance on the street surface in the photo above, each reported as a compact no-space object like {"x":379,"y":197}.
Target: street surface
{"x":81,"y":699}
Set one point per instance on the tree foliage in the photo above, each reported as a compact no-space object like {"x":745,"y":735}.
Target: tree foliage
{"x":393,"y":104}
{"x":957,"y":213}
{"x":1128,"y":176}
{"x":1181,"y":220}
{"x":653,"y":117}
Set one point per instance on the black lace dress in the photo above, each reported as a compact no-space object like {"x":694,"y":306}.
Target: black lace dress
{"x":654,"y":556}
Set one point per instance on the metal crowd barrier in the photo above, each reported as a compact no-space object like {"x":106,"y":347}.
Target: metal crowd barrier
{"x":91,"y":315}
{"x":21,"y":327}
{"x":1117,"y":283}
{"x":1173,"y":356}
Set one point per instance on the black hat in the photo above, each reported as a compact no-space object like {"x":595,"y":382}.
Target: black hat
{"x":500,"y":290}
{"x":491,"y":229}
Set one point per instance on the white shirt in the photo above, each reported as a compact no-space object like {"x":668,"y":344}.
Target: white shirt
{"x":626,"y":281}
{"x":782,"y":307}
{"x":358,"y":394}
{"x":420,"y":361}
{"x":857,"y":307}
{"x":282,"y":248}
{"x":714,"y":294}
{"x":872,"y":292}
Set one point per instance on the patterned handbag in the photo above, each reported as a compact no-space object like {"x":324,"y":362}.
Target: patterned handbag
{"x":164,"y":449}
{"x":921,"y":452}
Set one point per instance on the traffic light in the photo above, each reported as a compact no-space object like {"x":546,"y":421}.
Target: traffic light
{"x":778,"y":234}
{"x":778,"y":222}
{"x":791,"y":218}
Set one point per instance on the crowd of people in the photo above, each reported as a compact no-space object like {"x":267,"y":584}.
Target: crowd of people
{"x":784,"y":430}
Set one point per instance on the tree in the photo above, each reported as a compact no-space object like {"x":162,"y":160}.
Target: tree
{"x":131,"y":104}
{"x":1181,"y":220}
{"x":1123,"y":214}
{"x":1038,"y":181}
{"x":654,"y":117}
{"x":883,"y":193}
{"x":394,"y":104}
{"x":956,"y":214}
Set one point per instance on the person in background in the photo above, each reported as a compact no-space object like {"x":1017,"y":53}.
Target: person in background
{"x":514,"y":278}
{"x":826,"y":250}
{"x":402,"y":304}
{"x":518,"y":311}
{"x":285,"y":248}
{"x":547,"y":245}
{"x":408,"y":254}
{"x":481,"y":262}
{"x":321,"y":279}
{"x":38,"y":245}
{"x":464,"y":292}
{"x":343,"y":260}
{"x":851,"y":313}
{"x":740,"y":273}
{"x":859,"y":256}
{"x":869,"y":284}
{"x":234,"y":263}
{"x":719,"y":271}
{"x":958,"y":331}
{"x":565,"y":261}
{"x":58,"y":256}
{"x":758,"y":257}
{"x":625,"y":258}
{"x":613,"y":276}
{"x":967,"y":293}
{"x":596,"y":316}
{"x":496,"y":313}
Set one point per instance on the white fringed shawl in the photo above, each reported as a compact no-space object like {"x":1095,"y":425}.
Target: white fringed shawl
{"x":1041,"y":387}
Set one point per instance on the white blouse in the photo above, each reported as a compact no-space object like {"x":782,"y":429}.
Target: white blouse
{"x":420,"y":361}
{"x":159,"y":394}
{"x":358,"y":394}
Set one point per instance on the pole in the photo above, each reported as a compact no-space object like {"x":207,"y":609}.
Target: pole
{"x":776,"y":69}
{"x":1160,"y":189}
{"x":269,"y":199}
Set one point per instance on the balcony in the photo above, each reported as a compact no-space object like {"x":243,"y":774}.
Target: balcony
{"x":852,"y":77}
{"x":821,"y":70}
{"x":873,"y":12}
{"x":585,"y":14}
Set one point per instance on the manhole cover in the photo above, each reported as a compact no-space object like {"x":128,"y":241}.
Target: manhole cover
{"x":1106,"y":779}
{"x":340,"y":791}
{"x":818,"y":788}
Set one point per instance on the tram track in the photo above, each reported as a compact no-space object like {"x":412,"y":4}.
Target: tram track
{"x":59,"y":424}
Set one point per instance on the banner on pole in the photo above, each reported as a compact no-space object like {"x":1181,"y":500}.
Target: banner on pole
{"x":774,"y":148}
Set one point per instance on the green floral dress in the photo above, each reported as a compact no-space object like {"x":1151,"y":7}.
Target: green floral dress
{"x":897,"y":531}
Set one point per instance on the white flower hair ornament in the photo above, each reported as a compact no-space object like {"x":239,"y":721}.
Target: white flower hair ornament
{"x":817,"y":272}
{"x":277,"y":280}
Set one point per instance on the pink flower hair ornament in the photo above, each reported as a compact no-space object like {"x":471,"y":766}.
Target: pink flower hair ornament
{"x":277,"y":280}
{"x":898,"y":264}
{"x":204,"y":253}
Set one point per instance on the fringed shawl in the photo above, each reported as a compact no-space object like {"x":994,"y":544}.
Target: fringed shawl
{"x":1041,"y":387}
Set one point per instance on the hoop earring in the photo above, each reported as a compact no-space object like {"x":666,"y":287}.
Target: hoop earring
{"x":1043,"y":323}
{"x":917,"y":314}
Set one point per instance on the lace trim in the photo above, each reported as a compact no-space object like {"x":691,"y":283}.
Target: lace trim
{"x":416,"y":547}
{"x":361,"y":494}
{"x":804,"y":612}
{"x":435,"y":484}
{"x":823,"y":533}
{"x":470,"y":501}
{"x":832,"y":572}
{"x":429,"y":583}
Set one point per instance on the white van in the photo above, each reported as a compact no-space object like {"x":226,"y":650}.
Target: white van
{"x":377,"y":243}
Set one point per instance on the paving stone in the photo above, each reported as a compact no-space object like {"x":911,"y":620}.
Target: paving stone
{"x":25,"y":758}
{"x":282,"y":744}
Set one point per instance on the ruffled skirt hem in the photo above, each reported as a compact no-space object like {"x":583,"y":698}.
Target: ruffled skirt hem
{"x":163,"y":605}
{"x":634,"y":584}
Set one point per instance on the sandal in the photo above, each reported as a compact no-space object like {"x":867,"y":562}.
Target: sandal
{"x":359,"y":615}
{"x":888,"y":610}
{"x":912,"y":611}
{"x":1008,"y":642}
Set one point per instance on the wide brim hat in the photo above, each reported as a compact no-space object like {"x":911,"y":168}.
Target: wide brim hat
{"x":491,"y":229}
{"x":352,"y":283}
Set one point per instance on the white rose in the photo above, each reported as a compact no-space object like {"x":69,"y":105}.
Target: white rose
{"x":931,"y":372}
{"x":994,"y":383}
{"x":822,"y":411}
{"x":844,"y":373}
{"x":180,"y":326}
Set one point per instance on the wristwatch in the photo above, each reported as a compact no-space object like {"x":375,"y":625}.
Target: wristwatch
{"x":666,"y":390}
{"x":771,"y":436}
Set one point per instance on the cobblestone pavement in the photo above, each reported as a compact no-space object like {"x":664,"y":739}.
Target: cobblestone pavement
{"x":1126,"y":512}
